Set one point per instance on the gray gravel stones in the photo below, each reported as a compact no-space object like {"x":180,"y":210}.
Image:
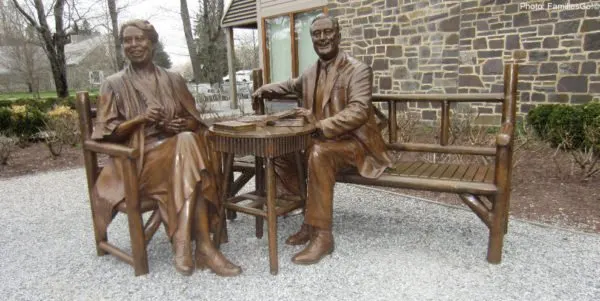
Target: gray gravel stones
{"x":388,"y":247}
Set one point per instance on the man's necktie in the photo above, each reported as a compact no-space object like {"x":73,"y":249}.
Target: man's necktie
{"x":321,"y":82}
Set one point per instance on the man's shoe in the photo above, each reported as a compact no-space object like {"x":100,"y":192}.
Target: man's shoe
{"x":321,"y":244}
{"x":301,"y":237}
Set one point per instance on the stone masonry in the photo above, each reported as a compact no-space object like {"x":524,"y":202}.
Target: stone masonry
{"x":448,"y":46}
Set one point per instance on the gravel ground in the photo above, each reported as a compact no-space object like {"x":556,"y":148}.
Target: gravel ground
{"x":388,"y":247}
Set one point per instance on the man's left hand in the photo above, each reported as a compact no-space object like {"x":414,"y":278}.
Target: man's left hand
{"x":310,"y":117}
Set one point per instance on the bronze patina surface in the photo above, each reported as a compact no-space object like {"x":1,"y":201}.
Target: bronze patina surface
{"x":151,"y":110}
{"x":335,"y":96}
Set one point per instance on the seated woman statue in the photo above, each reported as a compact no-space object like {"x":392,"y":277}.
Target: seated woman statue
{"x":151,"y":109}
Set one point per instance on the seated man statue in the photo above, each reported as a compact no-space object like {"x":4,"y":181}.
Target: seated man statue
{"x":336,"y":97}
{"x":149,"y":108}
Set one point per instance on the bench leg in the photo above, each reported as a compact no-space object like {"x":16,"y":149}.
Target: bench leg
{"x":498,"y":228}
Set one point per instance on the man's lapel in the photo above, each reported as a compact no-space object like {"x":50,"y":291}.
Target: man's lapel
{"x":311,"y":85}
{"x":332,"y":78}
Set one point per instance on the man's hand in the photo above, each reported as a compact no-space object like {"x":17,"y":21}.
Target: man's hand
{"x":307,"y":114}
{"x":258,"y":94}
{"x":154,"y":115}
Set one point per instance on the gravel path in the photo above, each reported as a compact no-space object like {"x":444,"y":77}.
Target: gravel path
{"x":388,"y":247}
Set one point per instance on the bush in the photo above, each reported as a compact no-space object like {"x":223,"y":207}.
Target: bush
{"x":62,"y":128}
{"x":26,"y":121}
{"x":538,"y":119}
{"x":45,"y":104}
{"x":568,"y":125}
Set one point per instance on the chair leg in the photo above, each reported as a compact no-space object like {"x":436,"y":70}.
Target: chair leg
{"x":152,"y":225}
{"x":134,"y":216}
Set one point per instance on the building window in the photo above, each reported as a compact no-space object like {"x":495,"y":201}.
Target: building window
{"x":96,"y":77}
{"x":288,"y":49}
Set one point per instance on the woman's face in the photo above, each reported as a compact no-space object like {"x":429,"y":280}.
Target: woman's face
{"x":138,"y":48}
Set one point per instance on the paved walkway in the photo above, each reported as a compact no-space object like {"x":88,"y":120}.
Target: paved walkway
{"x":388,"y":247}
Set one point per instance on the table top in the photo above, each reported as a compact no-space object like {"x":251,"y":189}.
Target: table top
{"x":267,"y":131}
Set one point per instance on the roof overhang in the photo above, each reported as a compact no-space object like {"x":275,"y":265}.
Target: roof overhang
{"x":240,"y":14}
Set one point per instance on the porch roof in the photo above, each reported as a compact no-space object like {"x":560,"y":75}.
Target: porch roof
{"x":240,"y":14}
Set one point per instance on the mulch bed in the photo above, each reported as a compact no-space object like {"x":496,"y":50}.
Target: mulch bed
{"x":542,"y":192}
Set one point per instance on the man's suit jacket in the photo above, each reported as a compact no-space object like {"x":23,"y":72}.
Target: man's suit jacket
{"x":346,"y":107}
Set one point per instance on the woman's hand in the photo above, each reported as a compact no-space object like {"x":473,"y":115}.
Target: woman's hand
{"x":177,"y":125}
{"x":154,"y":115}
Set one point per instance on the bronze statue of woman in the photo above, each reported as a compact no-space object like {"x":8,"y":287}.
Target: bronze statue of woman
{"x":150,"y":108}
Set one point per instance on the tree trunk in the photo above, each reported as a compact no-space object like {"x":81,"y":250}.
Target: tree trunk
{"x":189,"y":38}
{"x":112,"y":10}
{"x":54,"y":44}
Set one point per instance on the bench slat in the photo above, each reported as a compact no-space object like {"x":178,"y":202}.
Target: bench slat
{"x":402,"y":166}
{"x":402,"y":181}
{"x":421,"y":169}
{"x":450,"y":171}
{"x":440,"y":171}
{"x":460,"y":172}
{"x":480,"y":175}
{"x":489,"y":176}
{"x":470,"y":173}
{"x":432,"y":168}
{"x":412,"y":168}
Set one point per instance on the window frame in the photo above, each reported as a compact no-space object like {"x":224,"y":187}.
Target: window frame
{"x":293,"y":41}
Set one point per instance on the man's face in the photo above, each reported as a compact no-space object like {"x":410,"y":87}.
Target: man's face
{"x":138,"y":48}
{"x":325,"y":38}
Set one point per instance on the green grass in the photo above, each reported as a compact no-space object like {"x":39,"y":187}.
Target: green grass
{"x":46,"y":94}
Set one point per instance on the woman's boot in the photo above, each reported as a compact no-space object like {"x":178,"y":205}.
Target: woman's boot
{"x":182,"y":246}
{"x":207,"y":256}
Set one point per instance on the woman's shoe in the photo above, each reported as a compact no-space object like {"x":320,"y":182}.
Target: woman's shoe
{"x":183,"y":258}
{"x":210,"y":257}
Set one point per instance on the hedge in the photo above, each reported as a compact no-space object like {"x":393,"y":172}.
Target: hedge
{"x":45,"y":104}
{"x":577,"y":125}
{"x":32,"y":119}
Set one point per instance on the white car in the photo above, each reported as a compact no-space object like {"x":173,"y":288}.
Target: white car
{"x":242,"y":76}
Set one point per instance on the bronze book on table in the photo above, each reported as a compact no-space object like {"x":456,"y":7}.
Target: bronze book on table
{"x":234,"y":126}
{"x":284,"y":118}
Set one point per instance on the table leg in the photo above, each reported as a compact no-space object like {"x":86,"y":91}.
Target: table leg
{"x":272,"y":217}
{"x":301,"y":175}
{"x":228,"y":165}
{"x":260,"y":190}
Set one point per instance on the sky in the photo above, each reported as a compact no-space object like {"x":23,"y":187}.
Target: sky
{"x":164,"y":15}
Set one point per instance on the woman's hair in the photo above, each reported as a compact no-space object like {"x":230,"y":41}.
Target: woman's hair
{"x":145,"y":26}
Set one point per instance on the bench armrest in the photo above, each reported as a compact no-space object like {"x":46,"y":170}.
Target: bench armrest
{"x":111,"y":149}
{"x":504,"y":137}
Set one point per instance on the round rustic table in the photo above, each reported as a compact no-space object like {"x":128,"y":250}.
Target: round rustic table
{"x":265,"y":144}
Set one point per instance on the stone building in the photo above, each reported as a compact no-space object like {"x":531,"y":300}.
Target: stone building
{"x":445,"y":46}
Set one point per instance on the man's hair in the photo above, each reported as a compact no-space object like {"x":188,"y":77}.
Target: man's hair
{"x":333,"y":20}
{"x":145,"y":26}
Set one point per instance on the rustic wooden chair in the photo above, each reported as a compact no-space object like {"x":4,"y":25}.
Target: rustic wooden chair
{"x":139,"y":233}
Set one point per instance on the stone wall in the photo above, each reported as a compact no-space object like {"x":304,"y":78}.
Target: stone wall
{"x":447,"y":46}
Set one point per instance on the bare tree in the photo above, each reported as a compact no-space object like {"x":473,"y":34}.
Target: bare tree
{"x":189,"y":38}
{"x":65,"y":14}
{"x":53,"y":43}
{"x":246,"y":49}
{"x":23,"y":56}
{"x":211,"y":41}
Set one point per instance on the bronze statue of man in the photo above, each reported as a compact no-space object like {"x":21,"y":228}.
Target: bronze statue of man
{"x":149,"y":108}
{"x":336,"y":97}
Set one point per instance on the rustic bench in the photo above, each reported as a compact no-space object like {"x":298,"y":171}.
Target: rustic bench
{"x":483,"y":188}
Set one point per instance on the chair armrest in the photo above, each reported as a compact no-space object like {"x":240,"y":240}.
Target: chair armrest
{"x":504,"y":137}
{"x":111,"y":149}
